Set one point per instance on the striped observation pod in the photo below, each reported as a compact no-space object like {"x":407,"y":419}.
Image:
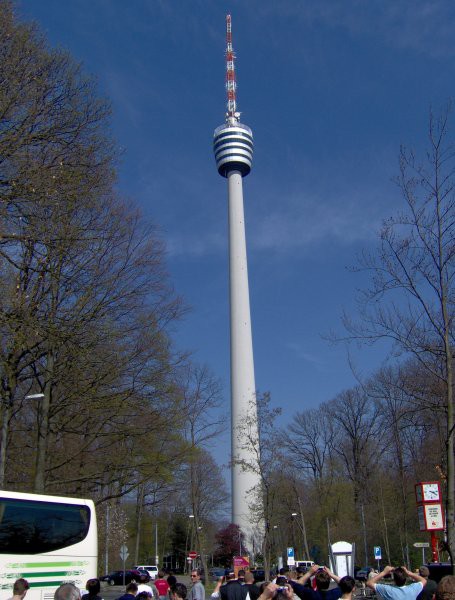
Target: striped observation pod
{"x":233,"y":148}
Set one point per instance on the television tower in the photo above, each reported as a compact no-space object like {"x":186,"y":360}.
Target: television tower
{"x":233,"y":148}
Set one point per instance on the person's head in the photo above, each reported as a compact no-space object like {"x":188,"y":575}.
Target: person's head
{"x":160,"y":575}
{"x":281,"y":580}
{"x":179,"y":591}
{"x":172,"y":580}
{"x":249,"y":577}
{"x":284,"y":571}
{"x":346,"y":584}
{"x":131,"y":588}
{"x":322,"y":580}
{"x":446,"y":588}
{"x":144,"y":596}
{"x":399,"y":577}
{"x":424,"y":571}
{"x":67,"y":591}
{"x":144,"y":578}
{"x":93,"y":586}
{"x":229,"y":574}
{"x":20,"y":587}
{"x":241,"y":574}
{"x":195,"y":575}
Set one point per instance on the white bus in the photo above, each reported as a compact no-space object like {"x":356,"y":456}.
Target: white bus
{"x":48,"y":540}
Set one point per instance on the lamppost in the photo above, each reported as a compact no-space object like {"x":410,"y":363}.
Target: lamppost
{"x":293,"y":516}
{"x":156,"y":544}
{"x":189,"y":533}
{"x":275,"y":542}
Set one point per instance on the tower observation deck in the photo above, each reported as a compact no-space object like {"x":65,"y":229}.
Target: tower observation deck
{"x":233,"y":149}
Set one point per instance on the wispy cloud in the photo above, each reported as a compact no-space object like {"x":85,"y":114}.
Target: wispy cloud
{"x":305,"y":355}
{"x":299,"y":223}
{"x":423,"y":25}
{"x":195,"y":245}
{"x":314,"y":221}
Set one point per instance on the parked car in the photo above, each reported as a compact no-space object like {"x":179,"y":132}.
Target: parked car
{"x":144,"y":572}
{"x":151,"y":569}
{"x":304,"y":565}
{"x":215,"y":573}
{"x":362,"y":574}
{"x":116,"y":577}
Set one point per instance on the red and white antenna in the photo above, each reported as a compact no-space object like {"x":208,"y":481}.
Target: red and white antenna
{"x":231,"y":84}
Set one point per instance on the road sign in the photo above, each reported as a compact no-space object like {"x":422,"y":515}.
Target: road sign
{"x":377,"y":553}
{"x":192,"y":554}
{"x":291,"y":557}
{"x":124,"y":552}
{"x":421,"y":545}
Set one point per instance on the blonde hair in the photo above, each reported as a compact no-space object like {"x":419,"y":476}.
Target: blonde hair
{"x":446,"y":588}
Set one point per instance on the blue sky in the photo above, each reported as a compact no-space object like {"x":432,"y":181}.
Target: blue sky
{"x":331,"y":89}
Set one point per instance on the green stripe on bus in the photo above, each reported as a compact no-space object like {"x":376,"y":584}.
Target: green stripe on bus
{"x":51,"y":574}
{"x":35,"y":565}
{"x":46,"y":583}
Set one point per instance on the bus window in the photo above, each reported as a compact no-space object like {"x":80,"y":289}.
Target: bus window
{"x":29,"y":527}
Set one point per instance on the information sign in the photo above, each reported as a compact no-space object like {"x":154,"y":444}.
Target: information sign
{"x":377,"y":553}
{"x":430,"y":517}
{"x":124,"y":552}
{"x":192,"y":554}
{"x":291,"y":557}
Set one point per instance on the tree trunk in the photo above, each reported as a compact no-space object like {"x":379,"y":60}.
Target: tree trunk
{"x":139,"y":511}
{"x":200,"y":547}
{"x":43,"y":430}
{"x":266,"y":553}
{"x":450,"y":506}
{"x":6,"y":416}
{"x":9,"y":389}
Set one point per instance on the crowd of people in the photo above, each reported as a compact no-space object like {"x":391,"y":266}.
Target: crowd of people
{"x":319,"y":583}
{"x":314,"y":584}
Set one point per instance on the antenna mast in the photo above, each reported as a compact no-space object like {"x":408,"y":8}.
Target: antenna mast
{"x":231,"y":84}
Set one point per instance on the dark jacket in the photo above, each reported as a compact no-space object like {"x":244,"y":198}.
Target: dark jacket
{"x":253,"y":590}
{"x":127,"y":597}
{"x":307,"y":593}
{"x":233,"y":590}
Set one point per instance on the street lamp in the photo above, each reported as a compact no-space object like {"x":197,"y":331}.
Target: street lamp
{"x":34,"y":396}
{"x":189,"y":534}
{"x":293,"y":516}
{"x":156,"y":543}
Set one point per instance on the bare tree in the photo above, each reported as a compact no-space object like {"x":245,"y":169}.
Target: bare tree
{"x":309,"y":439}
{"x":201,"y":400}
{"x":357,"y":425}
{"x":264,"y":448}
{"x":412,"y":294}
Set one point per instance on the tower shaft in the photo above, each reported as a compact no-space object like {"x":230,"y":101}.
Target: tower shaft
{"x":245,"y":482}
